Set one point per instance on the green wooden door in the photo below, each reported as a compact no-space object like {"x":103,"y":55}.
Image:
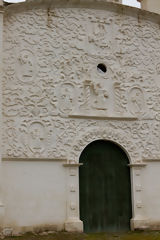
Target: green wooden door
{"x":105,"y":189}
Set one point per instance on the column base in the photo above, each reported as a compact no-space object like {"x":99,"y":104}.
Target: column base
{"x":139,"y":224}
{"x":73,"y":225}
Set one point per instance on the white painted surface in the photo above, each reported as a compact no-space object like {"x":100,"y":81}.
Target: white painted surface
{"x":151,"y":5}
{"x":151,"y":180}
{"x":56,"y":101}
{"x":34,"y":193}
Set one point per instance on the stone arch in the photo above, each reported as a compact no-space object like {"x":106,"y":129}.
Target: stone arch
{"x":109,"y":134}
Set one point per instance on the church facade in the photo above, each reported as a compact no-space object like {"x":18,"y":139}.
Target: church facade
{"x":80,"y":100}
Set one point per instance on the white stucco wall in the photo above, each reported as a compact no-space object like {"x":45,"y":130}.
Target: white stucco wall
{"x":151,"y":5}
{"x":151,"y":192}
{"x":56,"y":101}
{"x":34,"y":193}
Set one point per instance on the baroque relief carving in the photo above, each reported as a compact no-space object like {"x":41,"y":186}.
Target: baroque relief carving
{"x":36,"y":137}
{"x":95,"y":97}
{"x":26,"y":66}
{"x":41,"y":90}
{"x":107,"y":134}
{"x":66,"y":97}
{"x":136,"y":102}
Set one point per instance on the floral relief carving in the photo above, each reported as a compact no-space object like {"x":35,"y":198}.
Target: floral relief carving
{"x":50,"y":77}
{"x":105,"y":134}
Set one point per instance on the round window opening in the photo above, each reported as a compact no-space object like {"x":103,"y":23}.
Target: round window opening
{"x":101,"y":68}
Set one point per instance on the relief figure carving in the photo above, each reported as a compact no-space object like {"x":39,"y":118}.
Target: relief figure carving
{"x":66,"y":98}
{"x":95,"y":96}
{"x":136,"y":101}
{"x":98,"y":35}
{"x":36,"y":137}
{"x":25,"y":66}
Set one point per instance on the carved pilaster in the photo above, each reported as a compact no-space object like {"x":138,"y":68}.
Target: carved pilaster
{"x":138,"y":220}
{"x":73,"y":223}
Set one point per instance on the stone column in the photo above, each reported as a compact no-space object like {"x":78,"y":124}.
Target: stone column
{"x":150,"y":5}
{"x":73,"y":223}
{"x":1,"y":74}
{"x":138,"y":220}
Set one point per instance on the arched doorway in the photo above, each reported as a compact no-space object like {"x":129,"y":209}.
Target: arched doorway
{"x":105,"y":188}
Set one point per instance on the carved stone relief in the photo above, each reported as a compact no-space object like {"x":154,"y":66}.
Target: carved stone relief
{"x":66,"y":98}
{"x":36,"y":137}
{"x":136,"y":102}
{"x":95,"y":97}
{"x":26,"y":66}
{"x":50,"y":76}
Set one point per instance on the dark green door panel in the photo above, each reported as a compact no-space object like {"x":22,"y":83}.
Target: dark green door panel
{"x":105,"y":189}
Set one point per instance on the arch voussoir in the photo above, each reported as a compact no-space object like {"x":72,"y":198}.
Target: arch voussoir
{"x":107,"y":134}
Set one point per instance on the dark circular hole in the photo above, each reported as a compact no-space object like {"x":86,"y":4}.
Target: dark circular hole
{"x":101,"y":68}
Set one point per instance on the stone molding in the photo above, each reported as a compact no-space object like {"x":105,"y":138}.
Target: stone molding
{"x":104,"y":134}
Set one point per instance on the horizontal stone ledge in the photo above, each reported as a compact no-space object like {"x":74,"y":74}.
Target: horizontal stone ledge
{"x":72,"y":164}
{"x":34,"y":159}
{"x":122,"y":118}
{"x":137,"y":165}
{"x":157,"y":159}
